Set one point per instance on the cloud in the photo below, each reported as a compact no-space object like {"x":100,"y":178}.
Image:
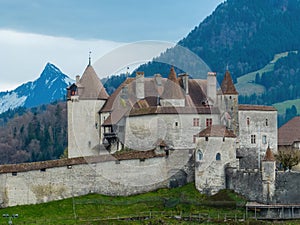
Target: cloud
{"x":24,"y":55}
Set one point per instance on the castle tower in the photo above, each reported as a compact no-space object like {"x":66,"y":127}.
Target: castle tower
{"x":215,"y":150}
{"x":84,"y":100}
{"x":173,"y":94}
{"x":228,"y":103}
{"x":268,"y":176}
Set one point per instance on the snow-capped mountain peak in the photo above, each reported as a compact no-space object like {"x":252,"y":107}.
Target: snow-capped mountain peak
{"x":49,"y":87}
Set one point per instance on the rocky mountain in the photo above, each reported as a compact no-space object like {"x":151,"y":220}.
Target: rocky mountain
{"x":49,"y":87}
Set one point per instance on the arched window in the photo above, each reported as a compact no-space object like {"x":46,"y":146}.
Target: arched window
{"x":199,"y":155}
{"x":218,"y":156}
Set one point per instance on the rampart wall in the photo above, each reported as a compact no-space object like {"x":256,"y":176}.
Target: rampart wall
{"x":53,"y":180}
{"x":249,"y":184}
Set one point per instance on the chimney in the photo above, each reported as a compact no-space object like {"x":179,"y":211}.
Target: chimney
{"x":211,"y":87}
{"x":185,"y":82}
{"x":77,"y":79}
{"x":124,"y":92}
{"x":139,"y":85}
{"x":157,"y":78}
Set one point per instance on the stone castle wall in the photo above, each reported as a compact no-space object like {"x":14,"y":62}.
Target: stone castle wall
{"x":142,"y":132}
{"x":109,"y":177}
{"x":262,"y":124}
{"x":287,"y":187}
{"x":249,"y":184}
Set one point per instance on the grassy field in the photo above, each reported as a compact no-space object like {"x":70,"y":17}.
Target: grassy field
{"x":184,"y":205}
{"x":245,"y":84}
{"x":159,"y":207}
{"x":281,"y":107}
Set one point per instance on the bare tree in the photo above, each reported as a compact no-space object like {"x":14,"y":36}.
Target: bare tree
{"x":288,"y":157}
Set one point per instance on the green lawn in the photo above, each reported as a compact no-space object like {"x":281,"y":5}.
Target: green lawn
{"x":157,"y":206}
{"x":281,"y":107}
{"x":245,"y":84}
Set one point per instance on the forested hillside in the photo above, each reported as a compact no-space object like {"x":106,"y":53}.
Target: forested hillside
{"x":244,"y":36}
{"x":33,"y":135}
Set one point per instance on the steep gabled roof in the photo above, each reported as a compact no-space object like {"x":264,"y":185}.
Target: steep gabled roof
{"x":227,"y":86}
{"x":91,"y":86}
{"x":289,"y":132}
{"x":216,"y":131}
{"x":172,"y":88}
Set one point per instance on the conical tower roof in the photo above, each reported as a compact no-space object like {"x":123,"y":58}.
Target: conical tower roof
{"x":172,"y":89}
{"x":227,"y":86}
{"x":91,"y":85}
{"x":269,"y":155}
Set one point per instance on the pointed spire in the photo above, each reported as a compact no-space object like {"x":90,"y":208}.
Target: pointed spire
{"x":172,"y":75}
{"x":92,"y":85}
{"x":227,"y":86}
{"x":90,"y":57}
{"x":269,"y":155}
{"x":172,"y":89}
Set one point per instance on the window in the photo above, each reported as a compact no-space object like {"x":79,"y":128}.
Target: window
{"x":206,"y":138}
{"x":199,"y":155}
{"x":194,"y":139}
{"x":253,"y":137}
{"x":218,"y":156}
{"x":14,"y":173}
{"x":176,"y":124}
{"x":43,"y":170}
{"x":264,"y":139}
{"x":196,"y":122}
{"x":208,"y":122}
{"x":267,"y":122}
{"x":248,"y":121}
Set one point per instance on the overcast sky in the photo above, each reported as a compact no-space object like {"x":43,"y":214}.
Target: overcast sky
{"x":62,"y":32}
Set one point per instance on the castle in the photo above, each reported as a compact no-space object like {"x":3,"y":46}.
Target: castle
{"x":156,"y":133}
{"x":171,"y":114}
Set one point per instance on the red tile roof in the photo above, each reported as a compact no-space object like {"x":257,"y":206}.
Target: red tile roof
{"x":172,"y":88}
{"x":173,"y":110}
{"x":216,"y":131}
{"x":23,"y":167}
{"x":269,"y":155}
{"x":256,"y":108}
{"x":119,"y":105}
{"x":90,"y":86}
{"x":227,"y":86}
{"x":289,"y":132}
